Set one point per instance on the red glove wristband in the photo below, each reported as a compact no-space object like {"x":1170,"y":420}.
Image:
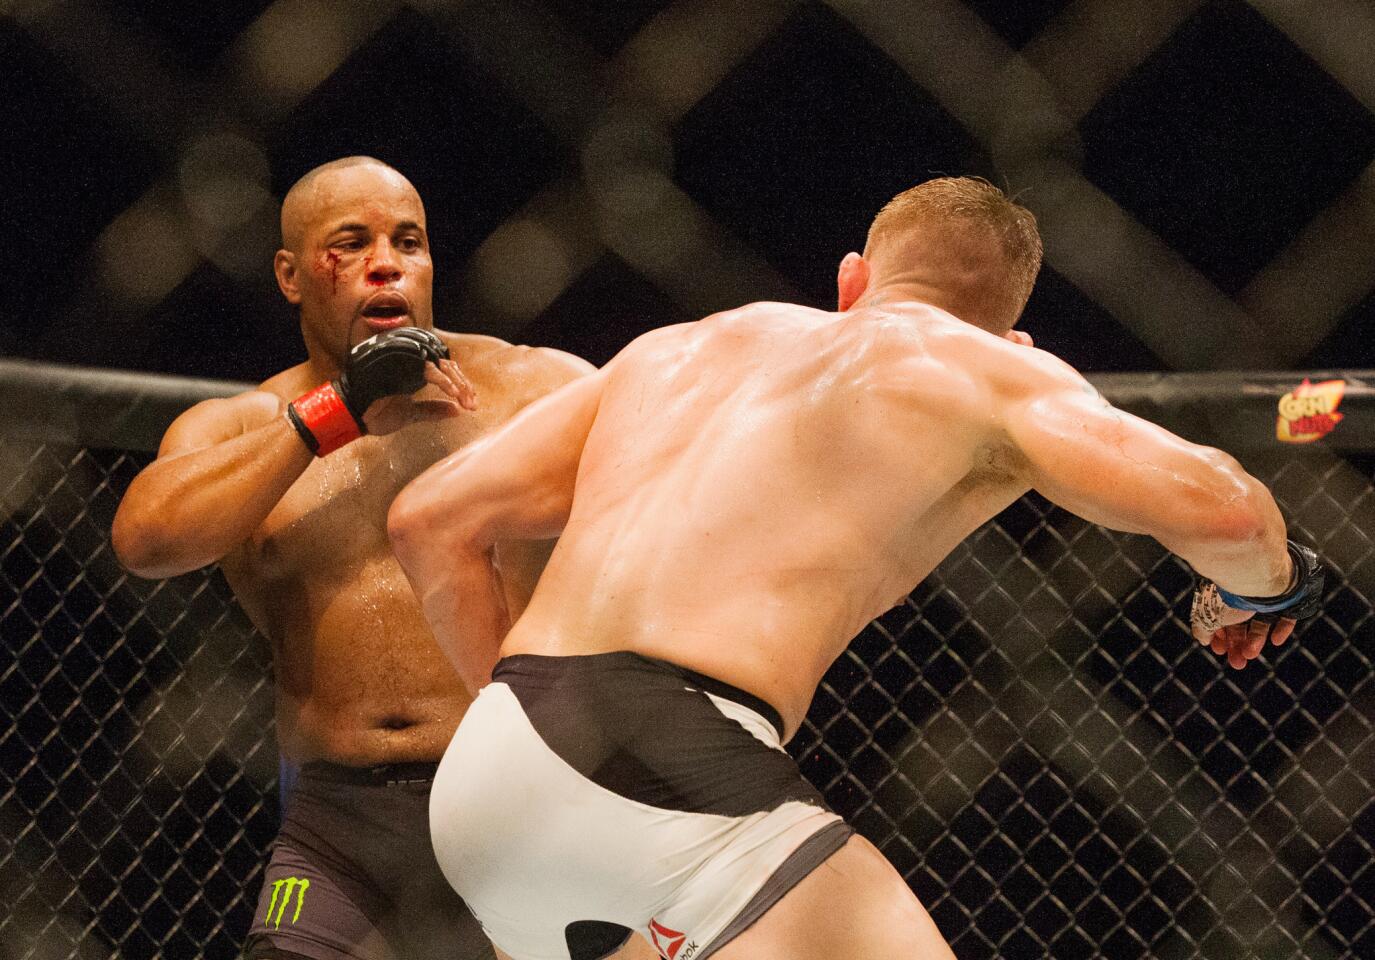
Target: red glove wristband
{"x":322,"y":420}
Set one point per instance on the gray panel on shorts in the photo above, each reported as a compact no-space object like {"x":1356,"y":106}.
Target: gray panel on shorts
{"x":800,"y":862}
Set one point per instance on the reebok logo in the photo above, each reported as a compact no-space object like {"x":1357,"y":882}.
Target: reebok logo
{"x":669,"y":942}
{"x":297,"y":885}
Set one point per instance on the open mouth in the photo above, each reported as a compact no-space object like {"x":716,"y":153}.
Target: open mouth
{"x":386,"y":309}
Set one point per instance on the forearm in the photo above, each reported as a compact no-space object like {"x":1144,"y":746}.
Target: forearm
{"x":1128,"y":474}
{"x":461,"y":595}
{"x":1245,"y":552}
{"x":187,"y":511}
{"x":513,"y":485}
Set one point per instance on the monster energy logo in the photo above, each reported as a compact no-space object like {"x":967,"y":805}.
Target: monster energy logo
{"x":298,"y":885}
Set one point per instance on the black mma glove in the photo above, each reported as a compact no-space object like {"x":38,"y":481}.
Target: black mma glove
{"x":391,"y":363}
{"x":1302,"y":600}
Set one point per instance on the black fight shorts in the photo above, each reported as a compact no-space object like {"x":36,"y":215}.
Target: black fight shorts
{"x":353,"y":875}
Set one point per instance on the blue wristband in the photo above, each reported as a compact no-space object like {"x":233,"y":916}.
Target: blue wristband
{"x":1263,"y":604}
{"x":1308,"y":580}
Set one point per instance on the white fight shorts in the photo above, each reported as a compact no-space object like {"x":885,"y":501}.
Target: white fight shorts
{"x":585,"y":798}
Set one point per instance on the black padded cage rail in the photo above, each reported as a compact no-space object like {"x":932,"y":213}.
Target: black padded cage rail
{"x":1033,"y":738}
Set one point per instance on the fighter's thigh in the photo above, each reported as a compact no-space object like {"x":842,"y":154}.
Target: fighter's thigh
{"x":636,"y":948}
{"x":308,"y":905}
{"x":854,"y":906}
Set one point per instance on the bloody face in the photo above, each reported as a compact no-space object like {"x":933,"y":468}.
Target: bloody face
{"x":364,"y":260}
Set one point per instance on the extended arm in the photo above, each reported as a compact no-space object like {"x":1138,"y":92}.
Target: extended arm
{"x":1128,"y":474}
{"x":515,"y":484}
{"x":519,"y":562}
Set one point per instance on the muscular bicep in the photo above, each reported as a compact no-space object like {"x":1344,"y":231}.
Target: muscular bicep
{"x":215,"y":421}
{"x":1118,"y":470}
{"x":220,"y":469}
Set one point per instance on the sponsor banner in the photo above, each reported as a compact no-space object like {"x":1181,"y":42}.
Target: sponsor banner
{"x":1309,"y":411}
{"x":1306,"y":413}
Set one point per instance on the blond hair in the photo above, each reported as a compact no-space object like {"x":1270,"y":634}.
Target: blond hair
{"x":972,"y":202}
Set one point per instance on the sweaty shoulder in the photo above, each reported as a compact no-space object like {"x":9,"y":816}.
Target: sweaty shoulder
{"x":512,"y":371}
{"x":289,"y":384}
{"x":680,"y":339}
{"x":1015,"y":383}
{"x":1025,"y":373}
{"x":214,"y":421}
{"x":922,"y":361}
{"x":914,"y":348}
{"x":769,"y":315}
{"x":1005,"y":369}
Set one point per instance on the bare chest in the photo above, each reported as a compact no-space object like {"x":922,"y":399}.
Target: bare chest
{"x":335,"y":515}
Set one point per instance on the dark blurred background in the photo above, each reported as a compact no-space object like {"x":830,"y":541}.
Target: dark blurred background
{"x":1201,"y":170}
{"x":1032,"y":738}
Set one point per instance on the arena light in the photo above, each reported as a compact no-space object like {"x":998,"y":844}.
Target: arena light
{"x":1140,"y":280}
{"x":1340,"y":39}
{"x":1323,"y":272}
{"x":626,"y":161}
{"x":1092,"y":45}
{"x":1309,"y":286}
{"x":564,"y":211}
{"x":685,"y":52}
{"x":224,"y":179}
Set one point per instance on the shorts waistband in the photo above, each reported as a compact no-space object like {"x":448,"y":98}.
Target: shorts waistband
{"x":532,"y":666}
{"x":381,"y":775}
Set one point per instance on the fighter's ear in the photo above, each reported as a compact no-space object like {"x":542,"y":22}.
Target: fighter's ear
{"x":284,"y":266}
{"x":1019,"y":337}
{"x":852,"y":279}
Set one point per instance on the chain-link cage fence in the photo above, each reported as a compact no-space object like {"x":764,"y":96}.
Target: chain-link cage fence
{"x":1033,"y":738}
{"x":649,"y":161}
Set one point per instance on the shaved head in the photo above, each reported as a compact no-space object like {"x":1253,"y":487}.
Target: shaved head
{"x":354,"y":230}
{"x":303,"y":201}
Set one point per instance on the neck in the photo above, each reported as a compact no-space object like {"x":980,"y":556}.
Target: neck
{"x":322,"y":364}
{"x":891,"y":293}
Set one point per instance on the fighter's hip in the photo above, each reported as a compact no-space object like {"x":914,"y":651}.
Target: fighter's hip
{"x":614,"y":789}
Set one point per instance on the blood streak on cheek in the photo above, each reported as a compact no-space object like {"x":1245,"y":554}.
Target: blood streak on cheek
{"x":329,"y":262}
